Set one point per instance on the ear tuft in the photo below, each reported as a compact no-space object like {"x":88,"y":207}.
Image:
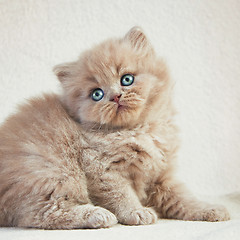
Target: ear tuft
{"x":63,"y":71}
{"x":137,"y":38}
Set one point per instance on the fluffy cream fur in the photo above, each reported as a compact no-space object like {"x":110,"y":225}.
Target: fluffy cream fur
{"x":71,"y":162}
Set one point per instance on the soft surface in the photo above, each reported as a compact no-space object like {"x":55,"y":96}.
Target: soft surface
{"x":200,"y":42}
{"x":164,"y":229}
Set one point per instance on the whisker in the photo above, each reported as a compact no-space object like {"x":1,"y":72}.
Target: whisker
{"x":131,"y":100}
{"x":107,"y":114}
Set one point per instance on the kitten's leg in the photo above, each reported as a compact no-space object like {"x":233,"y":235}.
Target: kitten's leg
{"x":67,"y":206}
{"x":61,"y":216}
{"x":171,"y":200}
{"x":117,"y":195}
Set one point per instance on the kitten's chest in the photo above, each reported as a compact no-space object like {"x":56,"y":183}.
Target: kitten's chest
{"x":136,"y":155}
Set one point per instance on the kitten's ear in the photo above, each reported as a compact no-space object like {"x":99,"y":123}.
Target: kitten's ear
{"x":64,"y":71}
{"x":138,"y":39}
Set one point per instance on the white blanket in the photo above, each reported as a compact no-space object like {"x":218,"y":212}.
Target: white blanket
{"x":163,"y":229}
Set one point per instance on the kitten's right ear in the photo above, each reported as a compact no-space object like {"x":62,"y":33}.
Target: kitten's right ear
{"x":64,"y":71}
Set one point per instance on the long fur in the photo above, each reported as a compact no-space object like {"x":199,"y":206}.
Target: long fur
{"x":67,"y":161}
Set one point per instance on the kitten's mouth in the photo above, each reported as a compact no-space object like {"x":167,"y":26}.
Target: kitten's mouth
{"x":120,"y":107}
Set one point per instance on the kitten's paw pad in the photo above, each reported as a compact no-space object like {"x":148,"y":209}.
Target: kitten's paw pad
{"x":101,"y":218}
{"x":141,"y":216}
{"x":215,"y":214}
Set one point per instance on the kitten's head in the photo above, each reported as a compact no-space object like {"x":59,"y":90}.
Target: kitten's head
{"x":118,"y":83}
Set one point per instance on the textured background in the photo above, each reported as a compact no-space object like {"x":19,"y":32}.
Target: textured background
{"x":198,"y":39}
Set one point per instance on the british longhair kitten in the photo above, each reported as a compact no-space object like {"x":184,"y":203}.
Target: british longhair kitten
{"x":103,"y":151}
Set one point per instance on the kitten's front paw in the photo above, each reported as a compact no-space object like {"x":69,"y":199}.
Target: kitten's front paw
{"x":142,"y":216}
{"x":100,"y":218}
{"x":215,"y":214}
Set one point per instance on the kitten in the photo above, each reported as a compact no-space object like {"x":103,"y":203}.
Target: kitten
{"x":103,"y":152}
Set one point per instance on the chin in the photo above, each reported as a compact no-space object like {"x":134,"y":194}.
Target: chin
{"x":126,"y":117}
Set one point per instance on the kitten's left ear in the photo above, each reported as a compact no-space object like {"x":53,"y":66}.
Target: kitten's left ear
{"x":138,"y":40}
{"x":64,"y":71}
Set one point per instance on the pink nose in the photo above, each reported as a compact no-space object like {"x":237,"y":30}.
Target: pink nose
{"x":117,"y":98}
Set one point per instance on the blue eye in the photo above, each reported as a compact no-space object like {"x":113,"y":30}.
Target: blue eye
{"x":127,"y":80}
{"x":97,"y":94}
